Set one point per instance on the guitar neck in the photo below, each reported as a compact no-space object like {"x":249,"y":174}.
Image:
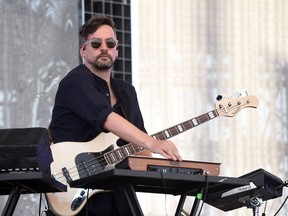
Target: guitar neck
{"x":184,"y":126}
{"x":119,"y":154}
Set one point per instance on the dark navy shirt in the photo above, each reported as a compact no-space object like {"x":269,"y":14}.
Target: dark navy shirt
{"x":82,"y":104}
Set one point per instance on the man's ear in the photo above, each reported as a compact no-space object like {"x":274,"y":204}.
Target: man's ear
{"x":117,"y":50}
{"x":82,"y":51}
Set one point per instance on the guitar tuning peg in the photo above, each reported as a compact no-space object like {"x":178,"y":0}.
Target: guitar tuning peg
{"x":219,"y":97}
{"x":237,"y":94}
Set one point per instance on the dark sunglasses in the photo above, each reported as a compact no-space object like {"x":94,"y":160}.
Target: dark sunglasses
{"x":96,"y":43}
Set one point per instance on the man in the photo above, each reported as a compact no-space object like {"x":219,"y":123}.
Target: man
{"x":89,"y":102}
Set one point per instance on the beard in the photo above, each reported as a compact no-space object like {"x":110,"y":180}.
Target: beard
{"x":103,"y":64}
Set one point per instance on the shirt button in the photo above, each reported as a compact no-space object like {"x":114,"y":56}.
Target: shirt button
{"x":107,"y":94}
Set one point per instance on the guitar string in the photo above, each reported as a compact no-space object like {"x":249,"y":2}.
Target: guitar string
{"x":80,"y":168}
{"x":99,"y":165}
{"x":174,"y":131}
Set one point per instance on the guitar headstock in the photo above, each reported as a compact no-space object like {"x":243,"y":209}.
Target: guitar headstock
{"x":231,"y":106}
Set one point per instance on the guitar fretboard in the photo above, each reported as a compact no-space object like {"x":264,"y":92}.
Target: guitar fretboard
{"x":119,"y":154}
{"x":184,"y":126}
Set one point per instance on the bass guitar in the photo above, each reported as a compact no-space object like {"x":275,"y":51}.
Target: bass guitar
{"x":76,"y":160}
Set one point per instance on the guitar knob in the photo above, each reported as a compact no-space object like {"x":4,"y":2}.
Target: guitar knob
{"x":82,"y":193}
{"x":219,"y":97}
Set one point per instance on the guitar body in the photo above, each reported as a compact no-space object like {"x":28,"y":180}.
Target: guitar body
{"x":64,"y":155}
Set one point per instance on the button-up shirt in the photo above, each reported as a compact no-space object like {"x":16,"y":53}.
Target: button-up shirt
{"x":82,"y":104}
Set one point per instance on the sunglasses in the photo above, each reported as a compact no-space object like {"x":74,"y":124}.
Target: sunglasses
{"x":96,"y":43}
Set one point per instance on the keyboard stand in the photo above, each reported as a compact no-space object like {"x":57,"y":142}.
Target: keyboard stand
{"x":132,"y":181}
{"x":15,"y":184}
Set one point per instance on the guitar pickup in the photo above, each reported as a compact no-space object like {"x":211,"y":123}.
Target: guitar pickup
{"x":67,"y":175}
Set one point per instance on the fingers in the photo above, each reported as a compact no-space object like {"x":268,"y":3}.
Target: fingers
{"x":168,"y":150}
{"x":173,"y":152}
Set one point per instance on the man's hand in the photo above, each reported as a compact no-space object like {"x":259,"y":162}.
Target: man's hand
{"x":166,"y":148}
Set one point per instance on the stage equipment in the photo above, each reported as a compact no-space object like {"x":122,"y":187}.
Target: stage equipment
{"x":25,"y":150}
{"x":169,"y":166}
{"x":263,"y":186}
{"x":132,"y":181}
{"x":25,"y":158}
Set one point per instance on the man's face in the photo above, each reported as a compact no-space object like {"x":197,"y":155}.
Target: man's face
{"x":101,"y":49}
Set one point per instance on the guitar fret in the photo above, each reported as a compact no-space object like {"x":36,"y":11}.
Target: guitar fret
{"x":183,"y":127}
{"x":173,"y":131}
{"x":106,"y":158}
{"x":202,"y":118}
{"x":156,"y":136}
{"x":137,"y":148}
{"x":127,"y":150}
{"x":161,"y":136}
{"x":112,"y":157}
{"x":119,"y":154}
{"x":188,"y":125}
{"x":207,"y":117}
{"x":115,"y":156}
{"x":134,"y":151}
{"x":122,"y":151}
{"x":131,"y":149}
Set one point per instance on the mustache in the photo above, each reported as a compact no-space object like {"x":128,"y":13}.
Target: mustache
{"x":99,"y":57}
{"x":104,"y":53}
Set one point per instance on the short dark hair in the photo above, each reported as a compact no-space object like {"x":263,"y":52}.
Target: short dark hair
{"x":93,"y":24}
